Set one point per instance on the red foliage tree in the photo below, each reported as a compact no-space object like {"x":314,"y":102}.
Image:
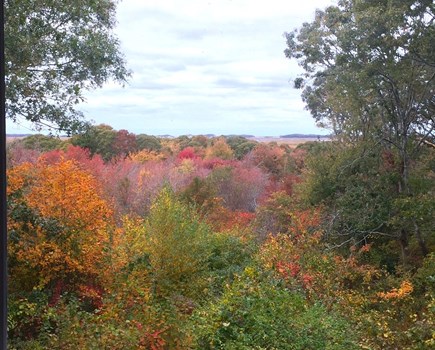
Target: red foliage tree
{"x":17,"y":154}
{"x":187,"y":153}
{"x":124,"y":143}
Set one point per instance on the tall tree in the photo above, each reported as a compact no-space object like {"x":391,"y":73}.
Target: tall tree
{"x":370,"y":70}
{"x":55,"y":51}
{"x":370,"y":75}
{"x":98,"y":139}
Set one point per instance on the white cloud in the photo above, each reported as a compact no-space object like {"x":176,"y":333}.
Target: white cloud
{"x":207,"y":66}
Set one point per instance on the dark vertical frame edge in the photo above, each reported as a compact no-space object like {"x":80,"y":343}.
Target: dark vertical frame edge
{"x":3,"y":228}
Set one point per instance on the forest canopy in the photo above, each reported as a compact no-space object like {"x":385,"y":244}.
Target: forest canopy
{"x":204,"y":243}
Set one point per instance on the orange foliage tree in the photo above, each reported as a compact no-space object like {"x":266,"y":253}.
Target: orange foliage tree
{"x":59,"y":226}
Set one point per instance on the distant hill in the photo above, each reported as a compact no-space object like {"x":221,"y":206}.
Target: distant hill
{"x":303,"y":136}
{"x":289,"y":136}
{"x":246,"y":136}
{"x":18,"y":135}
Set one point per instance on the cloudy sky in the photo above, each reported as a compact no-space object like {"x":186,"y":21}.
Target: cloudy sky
{"x":206,"y":66}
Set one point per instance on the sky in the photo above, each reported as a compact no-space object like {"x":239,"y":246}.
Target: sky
{"x":205,"y":67}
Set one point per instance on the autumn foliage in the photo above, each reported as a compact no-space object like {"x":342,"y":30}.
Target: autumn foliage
{"x":60,"y":225}
{"x":194,"y":243}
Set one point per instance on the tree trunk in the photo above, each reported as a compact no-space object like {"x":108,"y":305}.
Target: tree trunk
{"x":404,"y":245}
{"x":420,"y":239}
{"x":404,"y":190}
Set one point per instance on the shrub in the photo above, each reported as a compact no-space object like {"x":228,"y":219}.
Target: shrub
{"x":256,"y":313}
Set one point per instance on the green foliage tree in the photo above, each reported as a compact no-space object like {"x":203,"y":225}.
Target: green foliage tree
{"x":183,"y":141}
{"x":356,"y":190}
{"x":240,"y":145}
{"x":369,"y":69}
{"x":369,"y":75}
{"x":148,"y":142}
{"x":97,"y":139}
{"x":41,"y":143}
{"x":55,"y":51}
{"x":230,"y":255}
{"x":255,"y":312}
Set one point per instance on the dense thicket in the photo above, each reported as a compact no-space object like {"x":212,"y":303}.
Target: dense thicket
{"x":187,"y":246}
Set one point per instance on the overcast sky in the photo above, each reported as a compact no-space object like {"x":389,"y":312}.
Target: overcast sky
{"x":206,"y":66}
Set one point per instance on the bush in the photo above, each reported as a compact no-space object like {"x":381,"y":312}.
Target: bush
{"x":177,"y":243}
{"x":257,"y":313}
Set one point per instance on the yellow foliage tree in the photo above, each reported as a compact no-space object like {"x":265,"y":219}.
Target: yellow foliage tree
{"x":220,"y":149}
{"x":178,"y":246}
{"x":146,"y":155}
